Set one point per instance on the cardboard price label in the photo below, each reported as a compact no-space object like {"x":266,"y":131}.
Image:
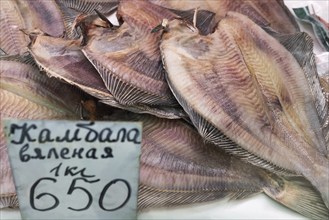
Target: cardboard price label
{"x":75,"y":169}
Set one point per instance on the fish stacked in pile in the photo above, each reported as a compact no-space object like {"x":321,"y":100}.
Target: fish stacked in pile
{"x":228,"y":93}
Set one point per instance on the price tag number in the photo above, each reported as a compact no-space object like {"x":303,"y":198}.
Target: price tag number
{"x":78,"y":186}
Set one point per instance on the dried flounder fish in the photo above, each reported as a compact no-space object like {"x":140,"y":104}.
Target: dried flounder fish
{"x":22,"y":16}
{"x":128,"y":58}
{"x":178,"y":167}
{"x":239,"y":85}
{"x":26,"y":93}
{"x":272,"y":13}
{"x":63,"y":59}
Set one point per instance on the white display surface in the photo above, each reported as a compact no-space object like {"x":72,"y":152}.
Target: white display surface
{"x":256,"y":207}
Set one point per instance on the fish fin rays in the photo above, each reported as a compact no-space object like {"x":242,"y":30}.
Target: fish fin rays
{"x":150,"y":197}
{"x":125,"y":93}
{"x":299,"y":195}
{"x":88,"y":6}
{"x":300,"y":45}
{"x":10,"y":201}
{"x":69,"y":15}
{"x":211,"y":134}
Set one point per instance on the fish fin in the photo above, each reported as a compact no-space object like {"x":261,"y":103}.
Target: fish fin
{"x":159,"y":111}
{"x":213,"y":135}
{"x":300,"y":45}
{"x":298,"y":194}
{"x":205,"y":20}
{"x":150,"y":197}
{"x":10,"y":201}
{"x":69,"y":16}
{"x":89,"y":6}
{"x":24,"y":58}
{"x":125,"y":93}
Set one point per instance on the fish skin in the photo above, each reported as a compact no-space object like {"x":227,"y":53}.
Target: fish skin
{"x":28,"y":94}
{"x":300,"y":45}
{"x":63,"y":59}
{"x":12,"y":41}
{"x":129,"y":55}
{"x":179,"y":167}
{"x":44,"y":16}
{"x":264,"y":106}
{"x":89,"y":6}
{"x":71,"y":9}
{"x":272,"y":13}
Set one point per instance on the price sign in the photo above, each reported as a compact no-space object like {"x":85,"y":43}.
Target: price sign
{"x":75,"y":169}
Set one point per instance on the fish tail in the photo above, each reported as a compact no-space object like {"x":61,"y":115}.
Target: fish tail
{"x":299,"y":195}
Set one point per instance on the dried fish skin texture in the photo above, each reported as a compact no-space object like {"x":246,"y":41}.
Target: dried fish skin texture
{"x":272,"y":13}
{"x":27,"y":94}
{"x":44,"y":16}
{"x":12,"y":40}
{"x":89,"y":6}
{"x":128,"y":59}
{"x":300,"y":45}
{"x":25,"y":80}
{"x":178,"y":167}
{"x":251,"y":89}
{"x":63,"y":59}
{"x":72,"y":9}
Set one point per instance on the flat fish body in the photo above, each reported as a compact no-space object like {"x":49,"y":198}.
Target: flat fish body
{"x":272,"y":13}
{"x":128,"y":58}
{"x":44,"y":16}
{"x":246,"y":93}
{"x":28,"y":94}
{"x":178,"y":167}
{"x":63,"y":59}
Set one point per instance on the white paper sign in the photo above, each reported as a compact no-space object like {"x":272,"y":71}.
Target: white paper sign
{"x":75,"y":169}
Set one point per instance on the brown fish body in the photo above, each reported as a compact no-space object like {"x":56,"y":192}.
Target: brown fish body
{"x":64,"y":59}
{"x":128,"y":58}
{"x":42,"y":15}
{"x":272,"y":13}
{"x":178,"y":167}
{"x":28,"y":94}
{"x":241,"y":85}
